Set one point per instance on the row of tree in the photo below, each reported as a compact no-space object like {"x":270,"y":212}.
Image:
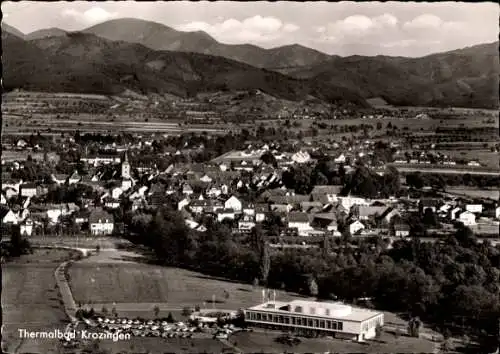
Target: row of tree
{"x":453,"y":284}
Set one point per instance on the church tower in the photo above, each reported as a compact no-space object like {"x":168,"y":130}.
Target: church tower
{"x":125,"y":167}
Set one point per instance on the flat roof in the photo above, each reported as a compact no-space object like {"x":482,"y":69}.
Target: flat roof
{"x":333,"y":310}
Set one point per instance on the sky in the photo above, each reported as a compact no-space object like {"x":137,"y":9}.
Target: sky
{"x":342,"y":28}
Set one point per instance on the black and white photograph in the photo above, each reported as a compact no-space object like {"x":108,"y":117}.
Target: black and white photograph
{"x":250,"y":177}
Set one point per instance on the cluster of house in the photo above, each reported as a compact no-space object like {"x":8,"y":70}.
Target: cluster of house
{"x":469,"y":214}
{"x":214,"y":189}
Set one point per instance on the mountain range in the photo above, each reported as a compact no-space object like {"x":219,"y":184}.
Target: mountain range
{"x":148,"y":56}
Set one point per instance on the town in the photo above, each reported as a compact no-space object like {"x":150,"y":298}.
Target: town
{"x":177,"y":194}
{"x":213,"y":177}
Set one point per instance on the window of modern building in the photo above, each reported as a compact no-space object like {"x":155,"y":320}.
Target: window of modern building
{"x":298,"y":309}
{"x":329,"y":324}
{"x":340,"y":326}
{"x":299,"y":321}
{"x":322,"y":324}
{"x":259,"y":317}
{"x":315,"y":323}
{"x":334,"y":325}
{"x":293,"y":321}
{"x":287,"y":320}
{"x":309,"y":322}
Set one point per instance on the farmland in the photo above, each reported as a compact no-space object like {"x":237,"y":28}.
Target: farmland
{"x":31,"y":300}
{"x":149,"y":285}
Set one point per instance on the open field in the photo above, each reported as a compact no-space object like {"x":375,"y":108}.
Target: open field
{"x":265,"y":341}
{"x":169,"y":287}
{"x":474,"y":193}
{"x":162,"y":345}
{"x":31,"y":300}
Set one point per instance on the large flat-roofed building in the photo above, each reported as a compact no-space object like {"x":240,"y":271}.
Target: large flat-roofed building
{"x":312,"y":317}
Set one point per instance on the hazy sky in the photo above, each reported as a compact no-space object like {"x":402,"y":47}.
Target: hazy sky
{"x":343,"y":28}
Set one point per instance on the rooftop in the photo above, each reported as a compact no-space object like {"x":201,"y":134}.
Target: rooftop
{"x":335,"y":310}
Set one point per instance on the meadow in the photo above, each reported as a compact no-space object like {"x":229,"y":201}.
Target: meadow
{"x":388,"y":343}
{"x":31,"y":300}
{"x":139,"y":287}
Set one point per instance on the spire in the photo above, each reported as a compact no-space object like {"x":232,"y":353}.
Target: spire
{"x":125,"y":159}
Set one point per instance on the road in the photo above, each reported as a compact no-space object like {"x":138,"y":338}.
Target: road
{"x":424,"y":169}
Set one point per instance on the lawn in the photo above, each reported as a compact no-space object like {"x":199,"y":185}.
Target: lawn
{"x":265,"y":342}
{"x":31,"y":300}
{"x":138,"y":345}
{"x":139,"y":287}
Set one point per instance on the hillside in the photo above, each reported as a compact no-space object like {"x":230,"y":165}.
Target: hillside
{"x":12,"y":30}
{"x":465,"y":77}
{"x":79,"y":62}
{"x":160,"y":37}
{"x":43,"y":33}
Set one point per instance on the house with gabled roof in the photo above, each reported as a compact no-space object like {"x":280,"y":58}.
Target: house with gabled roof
{"x":101,"y":222}
{"x":28,"y":190}
{"x":329,"y":191}
{"x":59,"y":178}
{"x":300,"y":221}
{"x":74,"y":178}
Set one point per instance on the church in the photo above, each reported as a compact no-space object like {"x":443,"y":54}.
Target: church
{"x":127,"y":181}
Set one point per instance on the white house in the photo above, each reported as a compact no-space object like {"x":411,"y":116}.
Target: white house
{"x":74,"y":178}
{"x":187,"y":190}
{"x":214,"y":192}
{"x":116,"y":193}
{"x":497,"y":212}
{"x":183,"y":203}
{"x":355,"y":227}
{"x":233,"y":203}
{"x":301,"y":157}
{"x":467,"y":218}
{"x":3,"y":200}
{"x":301,"y":222}
{"x":101,"y":222}
{"x":474,"y":208}
{"x":28,"y":190}
{"x":225,"y":214}
{"x":10,"y":218}
{"x":348,"y":202}
{"x":246,"y":223}
{"x":26,"y":227}
{"x":10,"y":192}
{"x":206,"y":179}
{"x":454,"y":213}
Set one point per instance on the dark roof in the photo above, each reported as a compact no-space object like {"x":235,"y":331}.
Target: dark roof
{"x":298,"y":217}
{"x":28,"y":185}
{"x":99,"y":214}
{"x":327,"y":189}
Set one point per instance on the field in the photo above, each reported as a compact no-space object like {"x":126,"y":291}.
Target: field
{"x":137,"y":288}
{"x":475,"y":193}
{"x":265,"y":341}
{"x":31,"y":300}
{"x":160,"y":345}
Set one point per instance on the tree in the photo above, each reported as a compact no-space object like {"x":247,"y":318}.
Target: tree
{"x":313,"y":287}
{"x":265,"y":263}
{"x":170,"y":318}
{"x":156,"y":310}
{"x":104,"y":311}
{"x":186,"y":311}
{"x":429,"y":218}
{"x":378,"y":331}
{"x":114,"y":312}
